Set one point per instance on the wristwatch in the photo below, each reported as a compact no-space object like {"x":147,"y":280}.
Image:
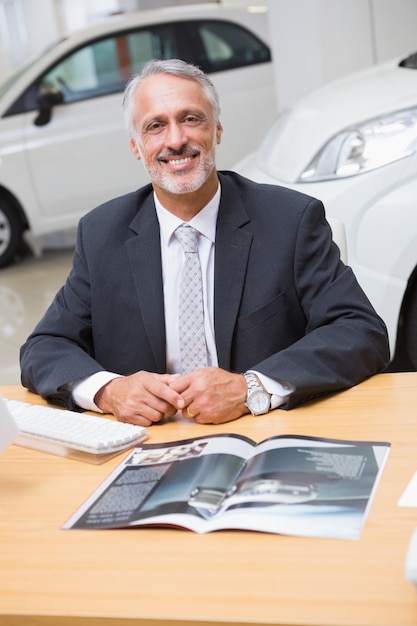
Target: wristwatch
{"x":258,"y":400}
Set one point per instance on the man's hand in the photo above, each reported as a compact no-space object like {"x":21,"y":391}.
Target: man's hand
{"x":142,"y":398}
{"x":211,"y":395}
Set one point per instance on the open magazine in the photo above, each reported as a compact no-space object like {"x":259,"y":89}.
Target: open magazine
{"x":290,"y":485}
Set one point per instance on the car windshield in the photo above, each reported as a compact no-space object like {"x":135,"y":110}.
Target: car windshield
{"x":4,"y":87}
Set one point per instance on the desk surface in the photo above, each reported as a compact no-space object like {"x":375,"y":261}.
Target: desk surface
{"x":51,"y":577}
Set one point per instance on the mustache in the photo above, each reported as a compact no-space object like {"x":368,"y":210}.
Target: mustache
{"x":183,"y":152}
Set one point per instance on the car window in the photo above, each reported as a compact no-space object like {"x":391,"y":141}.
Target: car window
{"x":104,"y":66}
{"x":227,"y":45}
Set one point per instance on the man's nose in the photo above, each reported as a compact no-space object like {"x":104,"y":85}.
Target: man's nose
{"x":176,"y":136}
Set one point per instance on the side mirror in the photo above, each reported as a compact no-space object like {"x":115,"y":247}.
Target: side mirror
{"x":48,"y":98}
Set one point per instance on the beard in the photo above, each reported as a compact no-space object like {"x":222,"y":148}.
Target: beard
{"x":181,"y":182}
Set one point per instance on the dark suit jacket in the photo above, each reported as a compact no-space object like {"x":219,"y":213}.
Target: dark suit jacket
{"x":284,"y":303}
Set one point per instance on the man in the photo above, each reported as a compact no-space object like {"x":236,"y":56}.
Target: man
{"x":284,"y":318}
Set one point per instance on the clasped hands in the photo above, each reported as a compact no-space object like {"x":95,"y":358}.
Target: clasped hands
{"x":209,"y":396}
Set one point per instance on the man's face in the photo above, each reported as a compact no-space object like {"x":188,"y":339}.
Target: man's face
{"x":176,"y":134}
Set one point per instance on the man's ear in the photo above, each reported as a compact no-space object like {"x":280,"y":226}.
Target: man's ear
{"x":219,"y":132}
{"x":134,"y":147}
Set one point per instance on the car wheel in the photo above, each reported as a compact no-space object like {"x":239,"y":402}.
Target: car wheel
{"x":410,"y":328}
{"x":11,"y":231}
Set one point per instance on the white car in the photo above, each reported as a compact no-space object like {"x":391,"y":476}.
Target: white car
{"x":63,"y":146}
{"x":353,"y":144}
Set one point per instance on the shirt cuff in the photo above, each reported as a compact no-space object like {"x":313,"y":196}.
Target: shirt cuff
{"x":84,"y":392}
{"x":279,"y":390}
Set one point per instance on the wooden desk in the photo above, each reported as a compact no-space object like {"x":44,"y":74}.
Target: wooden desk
{"x":160,"y":577}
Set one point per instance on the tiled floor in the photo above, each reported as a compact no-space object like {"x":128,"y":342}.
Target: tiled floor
{"x":26,"y":290}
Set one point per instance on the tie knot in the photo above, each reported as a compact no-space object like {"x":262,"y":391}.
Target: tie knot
{"x":188,"y":237}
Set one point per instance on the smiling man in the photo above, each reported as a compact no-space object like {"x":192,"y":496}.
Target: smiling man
{"x":202,"y":293}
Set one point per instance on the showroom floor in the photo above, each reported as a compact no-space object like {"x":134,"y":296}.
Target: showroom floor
{"x":26,"y":290}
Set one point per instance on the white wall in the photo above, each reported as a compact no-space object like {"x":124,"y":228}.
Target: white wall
{"x":316,"y":41}
{"x":41,"y":24}
{"x":395,"y":27}
{"x":13,"y":35}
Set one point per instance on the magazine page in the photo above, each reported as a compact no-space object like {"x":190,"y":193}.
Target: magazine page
{"x":306,"y":486}
{"x":166,"y":483}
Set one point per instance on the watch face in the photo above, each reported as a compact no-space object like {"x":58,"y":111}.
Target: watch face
{"x":259,"y":401}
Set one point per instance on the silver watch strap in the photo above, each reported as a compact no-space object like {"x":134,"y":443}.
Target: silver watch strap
{"x":252,"y":382}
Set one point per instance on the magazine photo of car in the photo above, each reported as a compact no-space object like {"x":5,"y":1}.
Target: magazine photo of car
{"x":286,"y":485}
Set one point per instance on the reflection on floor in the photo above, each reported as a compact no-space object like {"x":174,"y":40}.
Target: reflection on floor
{"x":26,"y":290}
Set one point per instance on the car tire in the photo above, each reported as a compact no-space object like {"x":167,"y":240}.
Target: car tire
{"x":410,"y":328}
{"x":11,"y":233}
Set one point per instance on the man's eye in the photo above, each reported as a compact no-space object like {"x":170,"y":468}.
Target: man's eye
{"x":192,"y":119}
{"x":153,"y":129}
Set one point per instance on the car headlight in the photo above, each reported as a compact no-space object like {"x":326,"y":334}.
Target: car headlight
{"x":365,"y":147}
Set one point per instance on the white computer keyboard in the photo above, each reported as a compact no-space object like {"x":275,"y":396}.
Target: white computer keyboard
{"x":67,"y":432}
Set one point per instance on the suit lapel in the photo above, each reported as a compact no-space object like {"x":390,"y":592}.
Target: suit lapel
{"x":144,"y":252}
{"x":231,"y":259}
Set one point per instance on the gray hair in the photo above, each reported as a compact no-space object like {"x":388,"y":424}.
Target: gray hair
{"x":173,"y":67}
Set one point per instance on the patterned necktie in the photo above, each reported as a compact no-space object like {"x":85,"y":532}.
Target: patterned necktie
{"x":191,"y":313}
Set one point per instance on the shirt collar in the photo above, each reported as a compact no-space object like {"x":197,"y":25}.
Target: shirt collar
{"x":205,"y":220}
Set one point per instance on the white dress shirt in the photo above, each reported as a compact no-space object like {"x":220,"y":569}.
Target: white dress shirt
{"x":172,"y":256}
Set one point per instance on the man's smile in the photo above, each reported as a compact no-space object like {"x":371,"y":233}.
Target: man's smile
{"x":180,"y":161}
